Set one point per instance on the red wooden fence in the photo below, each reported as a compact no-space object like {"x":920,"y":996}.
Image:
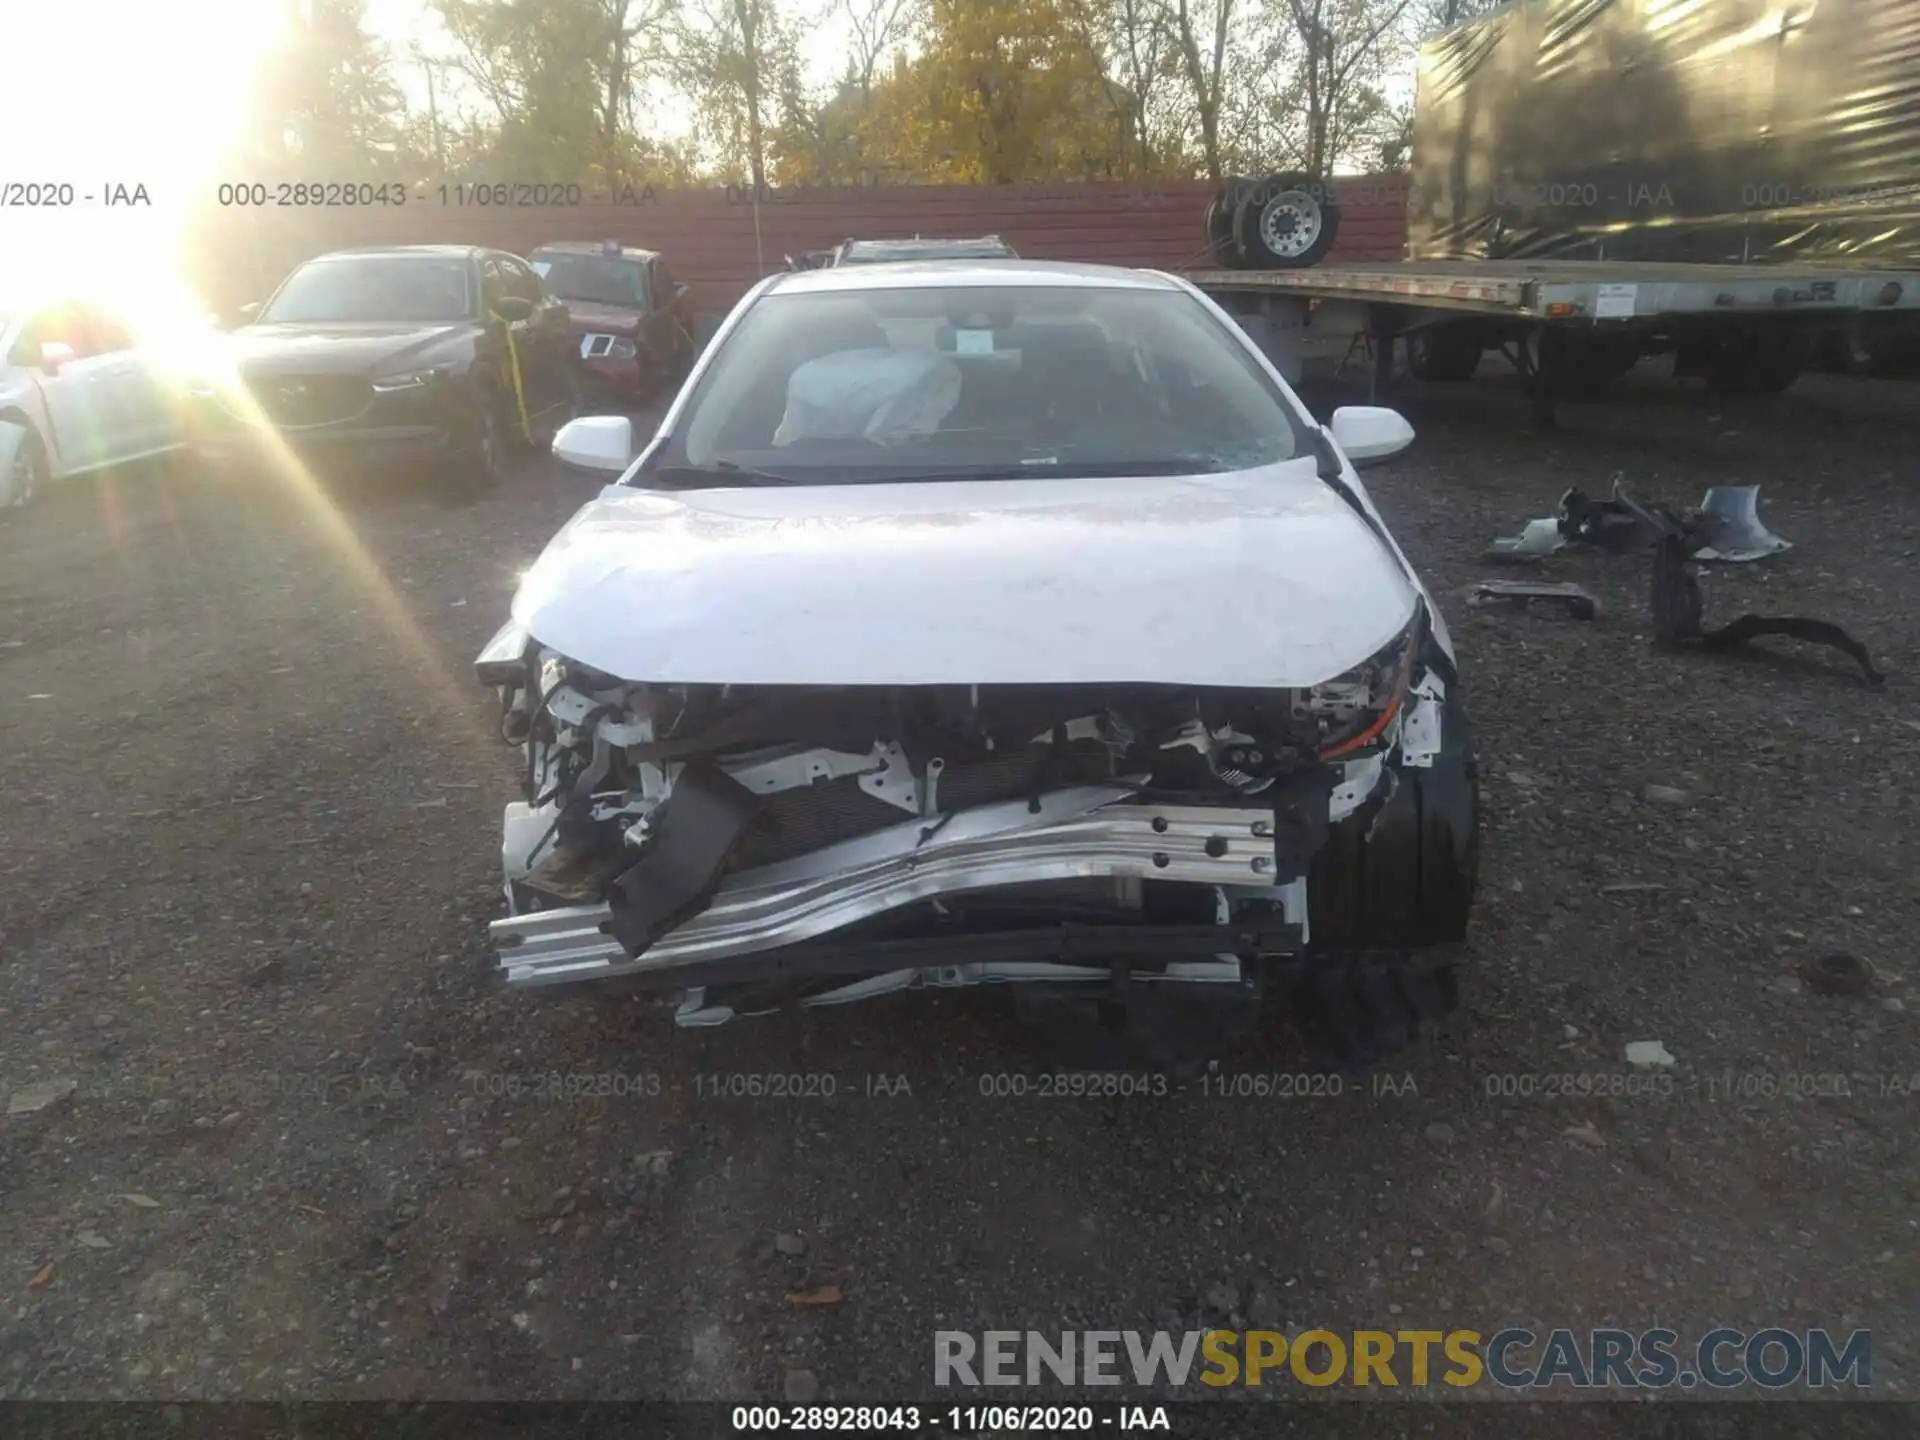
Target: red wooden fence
{"x":709,"y":236}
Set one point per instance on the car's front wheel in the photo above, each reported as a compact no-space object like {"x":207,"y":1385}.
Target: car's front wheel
{"x":481,"y":458}
{"x":25,"y":474}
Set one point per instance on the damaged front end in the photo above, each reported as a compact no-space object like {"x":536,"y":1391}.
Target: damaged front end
{"x":749,"y":846}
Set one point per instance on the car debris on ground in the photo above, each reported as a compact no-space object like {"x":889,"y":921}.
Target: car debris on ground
{"x":1536,"y":540}
{"x":1579,"y":604}
{"x":1725,"y":527}
{"x":1678,"y":604}
{"x":1731,"y":529}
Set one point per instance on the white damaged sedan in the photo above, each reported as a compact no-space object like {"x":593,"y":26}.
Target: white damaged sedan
{"x":991,"y":622}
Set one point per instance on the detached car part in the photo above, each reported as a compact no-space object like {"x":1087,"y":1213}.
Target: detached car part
{"x":1578,"y":602}
{"x":1536,"y":540}
{"x":1678,"y":604}
{"x":1730,"y":528}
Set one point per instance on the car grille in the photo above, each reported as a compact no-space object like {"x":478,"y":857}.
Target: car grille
{"x":297,"y":400}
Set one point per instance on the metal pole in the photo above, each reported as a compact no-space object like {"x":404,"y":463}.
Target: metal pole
{"x":759,"y":254}
{"x":430,"y":65}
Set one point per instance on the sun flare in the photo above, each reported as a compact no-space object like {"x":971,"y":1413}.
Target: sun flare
{"x":138,"y":107}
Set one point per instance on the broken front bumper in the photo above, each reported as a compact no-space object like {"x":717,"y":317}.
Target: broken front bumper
{"x":1101,"y":831}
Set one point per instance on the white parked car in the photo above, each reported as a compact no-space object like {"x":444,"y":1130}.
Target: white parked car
{"x":998,"y":622}
{"x":76,"y":394}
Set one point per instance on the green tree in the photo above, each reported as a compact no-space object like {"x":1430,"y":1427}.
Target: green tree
{"x":323,"y":103}
{"x":560,"y":77}
{"x":1003,"y":91}
{"x":1203,"y":33}
{"x":1345,"y":46}
{"x":737,"y":60}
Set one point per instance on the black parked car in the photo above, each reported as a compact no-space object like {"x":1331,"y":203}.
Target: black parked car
{"x":367,"y":357}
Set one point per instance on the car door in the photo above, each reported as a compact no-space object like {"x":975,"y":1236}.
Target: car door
{"x":83,"y":406}
{"x":142,"y":420}
{"x":656,"y":326}
{"x":548,"y":336}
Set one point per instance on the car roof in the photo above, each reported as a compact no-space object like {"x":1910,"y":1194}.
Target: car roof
{"x":983,"y":247}
{"x":444,"y":252}
{"x":594,"y":247}
{"x":935,"y":274}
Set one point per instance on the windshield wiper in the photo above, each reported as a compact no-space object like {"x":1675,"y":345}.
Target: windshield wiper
{"x":1055,"y":470}
{"x":720,"y":472}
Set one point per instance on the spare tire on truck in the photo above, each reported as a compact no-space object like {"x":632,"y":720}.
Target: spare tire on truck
{"x":1222,"y":248}
{"x":1287,"y":221}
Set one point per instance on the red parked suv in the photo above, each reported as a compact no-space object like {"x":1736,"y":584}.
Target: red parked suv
{"x":634,"y":320}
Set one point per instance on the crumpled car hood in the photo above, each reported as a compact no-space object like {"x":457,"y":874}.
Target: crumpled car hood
{"x":1259,"y":578}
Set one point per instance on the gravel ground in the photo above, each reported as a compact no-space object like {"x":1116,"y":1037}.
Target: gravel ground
{"x":248,"y":852}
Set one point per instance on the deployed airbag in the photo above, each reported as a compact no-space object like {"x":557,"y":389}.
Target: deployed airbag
{"x":873,"y":394}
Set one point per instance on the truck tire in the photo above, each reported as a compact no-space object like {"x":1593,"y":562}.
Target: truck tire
{"x":480,"y":461}
{"x":1286,"y":222}
{"x":1445,"y":353}
{"x":1590,"y":367}
{"x":1217,"y":224}
{"x":1764,"y":363}
{"x":1388,"y":900}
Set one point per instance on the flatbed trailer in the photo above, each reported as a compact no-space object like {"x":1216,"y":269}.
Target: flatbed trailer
{"x":1569,"y":326}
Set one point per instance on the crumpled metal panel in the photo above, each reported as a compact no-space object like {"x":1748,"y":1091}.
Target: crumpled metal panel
{"x":1706,"y":131}
{"x":1088,"y":831}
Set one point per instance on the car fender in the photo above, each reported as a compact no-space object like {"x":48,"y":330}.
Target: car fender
{"x":1349,"y":476}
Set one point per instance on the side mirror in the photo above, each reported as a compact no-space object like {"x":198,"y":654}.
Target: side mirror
{"x":250,"y":311}
{"x":54,"y":354}
{"x":599,"y":443}
{"x":513,"y":307}
{"x":1368,"y":434}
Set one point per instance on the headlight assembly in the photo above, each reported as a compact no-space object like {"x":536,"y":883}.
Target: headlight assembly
{"x":623,"y":350}
{"x":1353,"y":710}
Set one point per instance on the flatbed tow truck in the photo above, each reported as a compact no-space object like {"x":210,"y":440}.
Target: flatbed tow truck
{"x":1569,"y":327}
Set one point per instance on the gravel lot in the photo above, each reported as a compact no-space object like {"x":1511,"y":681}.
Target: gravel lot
{"x":248,"y":852}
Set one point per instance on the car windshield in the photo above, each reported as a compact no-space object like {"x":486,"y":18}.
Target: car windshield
{"x":374,"y":287}
{"x":595,"y":279}
{"x":988,"y":381}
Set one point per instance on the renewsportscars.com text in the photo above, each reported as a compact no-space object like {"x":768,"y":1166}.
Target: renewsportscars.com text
{"x":1512,"y":1358}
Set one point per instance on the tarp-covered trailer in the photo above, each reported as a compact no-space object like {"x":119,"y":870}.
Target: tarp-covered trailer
{"x":1733,"y":181}
{"x":1703,"y":131}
